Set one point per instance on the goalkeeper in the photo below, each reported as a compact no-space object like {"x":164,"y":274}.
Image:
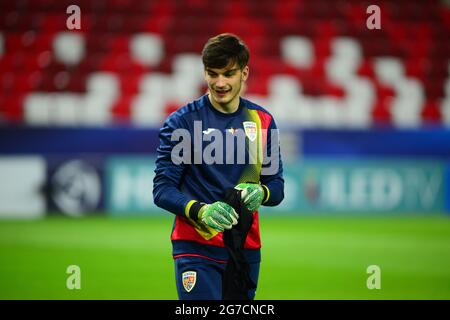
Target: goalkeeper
{"x":194,"y":190}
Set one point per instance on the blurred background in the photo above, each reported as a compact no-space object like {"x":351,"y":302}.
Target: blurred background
{"x":364,"y":116}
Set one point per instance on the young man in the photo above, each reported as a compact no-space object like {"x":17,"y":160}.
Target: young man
{"x":201,"y":155}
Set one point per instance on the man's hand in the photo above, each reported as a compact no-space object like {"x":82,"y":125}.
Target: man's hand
{"x":252,"y":195}
{"x":218,"y":215}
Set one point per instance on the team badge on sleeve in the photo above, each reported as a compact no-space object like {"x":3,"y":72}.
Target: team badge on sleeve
{"x":250,"y":130}
{"x":189,"y":278}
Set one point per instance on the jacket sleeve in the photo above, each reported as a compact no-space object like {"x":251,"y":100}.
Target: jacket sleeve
{"x":169,"y":173}
{"x":272,"y":168}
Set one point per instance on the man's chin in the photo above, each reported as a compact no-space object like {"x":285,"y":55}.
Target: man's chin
{"x":222,"y":100}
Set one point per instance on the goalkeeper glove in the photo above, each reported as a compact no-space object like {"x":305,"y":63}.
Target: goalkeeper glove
{"x":218,"y":215}
{"x":252,"y":195}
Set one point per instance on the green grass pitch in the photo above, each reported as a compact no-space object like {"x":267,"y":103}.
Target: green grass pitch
{"x":304,"y":257}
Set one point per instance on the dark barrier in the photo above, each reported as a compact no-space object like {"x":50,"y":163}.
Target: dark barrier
{"x":377,"y":142}
{"x":126,"y":140}
{"x":122,"y":140}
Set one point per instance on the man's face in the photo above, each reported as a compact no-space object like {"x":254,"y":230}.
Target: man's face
{"x":225,"y":84}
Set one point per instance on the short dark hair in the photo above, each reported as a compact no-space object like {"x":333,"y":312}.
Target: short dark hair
{"x":223,"y":50}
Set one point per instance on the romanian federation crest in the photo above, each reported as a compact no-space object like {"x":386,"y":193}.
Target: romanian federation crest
{"x":189,"y":278}
{"x":250,"y":130}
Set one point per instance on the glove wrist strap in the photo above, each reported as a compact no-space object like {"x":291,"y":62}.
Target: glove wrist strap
{"x":266,"y":193}
{"x":194,"y":210}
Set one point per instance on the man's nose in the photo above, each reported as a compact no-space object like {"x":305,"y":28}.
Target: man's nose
{"x":221,"y":82}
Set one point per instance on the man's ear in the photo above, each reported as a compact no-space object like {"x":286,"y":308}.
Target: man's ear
{"x":245,"y":73}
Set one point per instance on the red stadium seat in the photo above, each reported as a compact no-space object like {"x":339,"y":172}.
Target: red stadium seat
{"x":130,"y":83}
{"x":431,"y":113}
{"x":121,"y":109}
{"x":11,"y":107}
{"x":381,"y":113}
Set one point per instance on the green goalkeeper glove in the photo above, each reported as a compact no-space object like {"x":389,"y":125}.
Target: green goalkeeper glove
{"x":252,"y":195}
{"x":218,"y":215}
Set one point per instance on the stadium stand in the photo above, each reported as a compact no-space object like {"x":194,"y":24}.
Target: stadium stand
{"x":313,"y":63}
